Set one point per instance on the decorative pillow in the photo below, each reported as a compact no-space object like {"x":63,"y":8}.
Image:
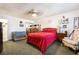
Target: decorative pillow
{"x":34,"y":30}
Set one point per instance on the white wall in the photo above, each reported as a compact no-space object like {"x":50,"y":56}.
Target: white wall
{"x":13,"y":24}
{"x":53,"y":21}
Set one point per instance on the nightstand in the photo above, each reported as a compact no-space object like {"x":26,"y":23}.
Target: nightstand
{"x":62,"y":35}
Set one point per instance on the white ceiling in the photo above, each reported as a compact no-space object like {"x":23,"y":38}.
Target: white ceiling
{"x":47,"y":9}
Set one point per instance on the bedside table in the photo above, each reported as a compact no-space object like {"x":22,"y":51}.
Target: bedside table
{"x":62,"y":35}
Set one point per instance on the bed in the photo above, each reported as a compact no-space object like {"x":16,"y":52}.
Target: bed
{"x":43,"y":39}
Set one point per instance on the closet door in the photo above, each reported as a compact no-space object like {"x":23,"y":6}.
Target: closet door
{"x":1,"y":38}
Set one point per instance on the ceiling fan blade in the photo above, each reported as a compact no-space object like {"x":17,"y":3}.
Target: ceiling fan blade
{"x":33,"y":11}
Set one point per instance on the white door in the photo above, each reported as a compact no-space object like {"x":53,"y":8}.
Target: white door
{"x":4,"y":27}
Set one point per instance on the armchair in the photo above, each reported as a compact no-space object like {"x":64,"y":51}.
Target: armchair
{"x":72,"y":42}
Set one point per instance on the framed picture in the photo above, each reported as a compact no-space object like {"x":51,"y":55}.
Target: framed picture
{"x":64,"y":26}
{"x":21,"y":24}
{"x":64,"y":20}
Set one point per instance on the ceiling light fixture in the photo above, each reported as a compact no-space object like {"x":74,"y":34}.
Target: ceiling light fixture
{"x":34,"y":13}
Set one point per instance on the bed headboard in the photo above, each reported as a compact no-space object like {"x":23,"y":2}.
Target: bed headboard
{"x":49,"y":30}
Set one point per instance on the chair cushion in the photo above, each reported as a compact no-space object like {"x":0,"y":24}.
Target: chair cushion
{"x":70,"y":41}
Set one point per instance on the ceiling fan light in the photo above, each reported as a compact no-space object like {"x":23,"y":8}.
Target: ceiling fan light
{"x":34,"y":14}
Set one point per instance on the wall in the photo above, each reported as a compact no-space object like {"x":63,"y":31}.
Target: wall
{"x":53,"y":21}
{"x":13,"y":24}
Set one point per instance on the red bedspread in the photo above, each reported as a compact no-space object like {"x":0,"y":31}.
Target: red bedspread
{"x":42,"y":39}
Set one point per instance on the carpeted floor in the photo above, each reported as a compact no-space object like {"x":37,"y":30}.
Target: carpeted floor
{"x":22,"y":48}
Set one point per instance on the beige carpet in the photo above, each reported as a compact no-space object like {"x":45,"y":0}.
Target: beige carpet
{"x":22,"y":48}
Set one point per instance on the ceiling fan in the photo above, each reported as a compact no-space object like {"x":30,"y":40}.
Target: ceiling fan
{"x":34,"y":12}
